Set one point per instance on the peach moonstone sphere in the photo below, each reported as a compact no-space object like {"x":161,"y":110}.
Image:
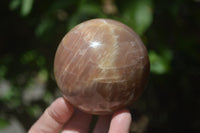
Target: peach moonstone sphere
{"x":101,"y":66}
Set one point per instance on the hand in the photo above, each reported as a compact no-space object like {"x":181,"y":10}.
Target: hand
{"x":61,"y":116}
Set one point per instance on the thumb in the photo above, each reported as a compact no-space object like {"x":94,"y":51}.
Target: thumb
{"x":54,"y":117}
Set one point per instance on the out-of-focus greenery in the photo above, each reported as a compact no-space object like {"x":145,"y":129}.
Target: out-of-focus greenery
{"x":30,"y":31}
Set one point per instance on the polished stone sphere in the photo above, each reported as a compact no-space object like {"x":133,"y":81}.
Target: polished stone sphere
{"x":101,"y":66}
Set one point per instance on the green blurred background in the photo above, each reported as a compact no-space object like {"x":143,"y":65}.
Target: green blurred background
{"x":30,"y":31}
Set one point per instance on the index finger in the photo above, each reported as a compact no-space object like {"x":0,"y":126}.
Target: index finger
{"x":121,"y":122}
{"x":54,"y":117}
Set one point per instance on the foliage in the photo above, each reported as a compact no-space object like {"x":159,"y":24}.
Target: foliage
{"x":31,"y":31}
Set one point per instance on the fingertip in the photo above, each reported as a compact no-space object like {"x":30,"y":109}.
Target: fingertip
{"x":125,"y":112}
{"x":65,"y":104}
{"x":121,"y":121}
{"x":60,"y":110}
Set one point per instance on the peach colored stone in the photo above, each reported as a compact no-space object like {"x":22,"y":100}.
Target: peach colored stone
{"x":101,"y":66}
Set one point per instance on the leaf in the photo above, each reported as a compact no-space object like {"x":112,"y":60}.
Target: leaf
{"x":14,"y":4}
{"x":85,"y":11}
{"x":61,"y":4}
{"x":139,"y":15}
{"x":33,"y":110}
{"x":43,"y":75}
{"x":90,"y":9}
{"x":28,"y":57}
{"x":26,"y":7}
{"x":3,"y":123}
{"x":160,"y":64}
{"x":44,"y":27}
{"x":3,"y":71}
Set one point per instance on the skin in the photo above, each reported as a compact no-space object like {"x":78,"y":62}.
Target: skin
{"x":60,"y":116}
